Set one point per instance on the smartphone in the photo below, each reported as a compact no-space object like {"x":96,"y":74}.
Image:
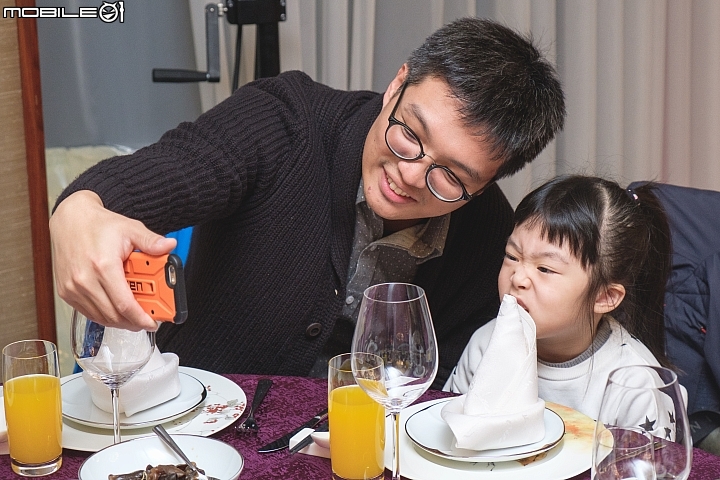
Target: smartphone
{"x":158,"y":284}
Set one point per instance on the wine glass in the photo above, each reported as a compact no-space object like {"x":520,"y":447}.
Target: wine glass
{"x":642,"y":399}
{"x":110,"y":355}
{"x":622,"y":453}
{"x":394,"y":323}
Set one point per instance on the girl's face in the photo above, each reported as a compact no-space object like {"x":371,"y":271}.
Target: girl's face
{"x":551,"y":284}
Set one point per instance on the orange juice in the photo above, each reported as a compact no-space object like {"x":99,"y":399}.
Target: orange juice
{"x":357,"y":433}
{"x":33,"y":411}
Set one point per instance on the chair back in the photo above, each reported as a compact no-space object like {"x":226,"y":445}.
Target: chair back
{"x":692,"y":298}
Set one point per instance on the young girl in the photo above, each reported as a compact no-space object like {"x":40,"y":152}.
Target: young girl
{"x":589,"y":261}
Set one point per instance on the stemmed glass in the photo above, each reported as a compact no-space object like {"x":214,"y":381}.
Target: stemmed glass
{"x":622,"y":452}
{"x":110,"y":355}
{"x":394,"y":323}
{"x":642,"y":429}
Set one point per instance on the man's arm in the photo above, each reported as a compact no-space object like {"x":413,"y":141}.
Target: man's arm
{"x":90,"y":244}
{"x":198,"y":172}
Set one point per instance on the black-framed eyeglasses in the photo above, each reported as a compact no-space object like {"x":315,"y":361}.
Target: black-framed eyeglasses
{"x":404,"y":144}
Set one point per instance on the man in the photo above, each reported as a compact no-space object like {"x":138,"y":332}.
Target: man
{"x":302,"y":196}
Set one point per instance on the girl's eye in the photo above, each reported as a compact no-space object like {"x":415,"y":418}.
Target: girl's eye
{"x":510,"y":257}
{"x":545,"y":270}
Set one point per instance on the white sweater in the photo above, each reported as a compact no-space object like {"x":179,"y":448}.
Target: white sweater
{"x":578,"y":383}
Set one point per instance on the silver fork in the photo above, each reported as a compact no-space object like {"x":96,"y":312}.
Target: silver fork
{"x":250,"y":425}
{"x":165,"y":437}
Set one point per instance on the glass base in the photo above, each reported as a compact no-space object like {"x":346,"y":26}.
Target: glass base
{"x":36,"y":469}
{"x":335,"y":476}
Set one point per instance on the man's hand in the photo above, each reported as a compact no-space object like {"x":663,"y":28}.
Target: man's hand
{"x":90,"y":244}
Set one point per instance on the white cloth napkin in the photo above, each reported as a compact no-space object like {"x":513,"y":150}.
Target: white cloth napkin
{"x":502,"y":408}
{"x":157,"y":382}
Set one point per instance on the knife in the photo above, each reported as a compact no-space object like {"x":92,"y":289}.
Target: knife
{"x":308,"y":439}
{"x":284,"y":441}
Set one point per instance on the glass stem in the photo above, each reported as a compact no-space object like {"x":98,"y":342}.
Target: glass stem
{"x":396,"y":446}
{"x":115,"y":393}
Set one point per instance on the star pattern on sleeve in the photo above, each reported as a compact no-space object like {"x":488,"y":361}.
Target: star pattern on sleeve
{"x":648,"y":425}
{"x":668,"y":433}
{"x":672,"y":417}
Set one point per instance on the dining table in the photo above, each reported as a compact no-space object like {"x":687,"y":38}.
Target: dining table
{"x":289,"y":403}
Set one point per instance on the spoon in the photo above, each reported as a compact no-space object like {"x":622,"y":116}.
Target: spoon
{"x":165,"y":437}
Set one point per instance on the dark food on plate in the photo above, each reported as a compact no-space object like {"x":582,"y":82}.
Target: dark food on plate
{"x":161,"y":472}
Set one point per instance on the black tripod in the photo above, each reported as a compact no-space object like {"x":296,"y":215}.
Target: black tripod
{"x":266,"y":14}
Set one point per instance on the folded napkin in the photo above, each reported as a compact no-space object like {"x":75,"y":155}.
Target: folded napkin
{"x":501,"y":408}
{"x":157,"y":382}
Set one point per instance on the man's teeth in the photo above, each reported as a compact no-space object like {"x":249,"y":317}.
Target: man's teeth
{"x":396,"y":189}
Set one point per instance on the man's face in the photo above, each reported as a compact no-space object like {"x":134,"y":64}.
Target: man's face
{"x":395,"y":189}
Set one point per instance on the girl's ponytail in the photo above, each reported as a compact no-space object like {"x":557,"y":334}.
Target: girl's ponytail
{"x":647,"y":320}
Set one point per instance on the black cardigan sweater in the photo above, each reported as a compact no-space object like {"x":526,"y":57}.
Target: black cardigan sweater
{"x":269,"y":178}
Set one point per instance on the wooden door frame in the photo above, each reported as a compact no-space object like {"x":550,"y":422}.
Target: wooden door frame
{"x":37,"y":180}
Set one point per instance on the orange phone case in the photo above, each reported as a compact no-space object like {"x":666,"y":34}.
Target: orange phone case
{"x":158,"y":284}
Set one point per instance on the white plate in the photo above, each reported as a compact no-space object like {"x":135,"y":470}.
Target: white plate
{"x":322,"y":439}
{"x":77,"y":405}
{"x":217,"y":458}
{"x":225,"y":402}
{"x":3,"y":426}
{"x":427,"y":429}
{"x":569,"y":458}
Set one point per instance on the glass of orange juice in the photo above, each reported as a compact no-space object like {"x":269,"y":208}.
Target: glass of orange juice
{"x":33,"y":409}
{"x":357,"y":423}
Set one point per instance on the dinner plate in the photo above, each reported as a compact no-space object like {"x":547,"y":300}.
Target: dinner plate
{"x":427,"y":429}
{"x":570,"y":457}
{"x":3,"y":427}
{"x":225,"y":402}
{"x":216,"y":458}
{"x":77,"y":405}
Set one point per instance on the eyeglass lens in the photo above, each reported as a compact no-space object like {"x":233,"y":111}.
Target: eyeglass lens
{"x":442,"y":182}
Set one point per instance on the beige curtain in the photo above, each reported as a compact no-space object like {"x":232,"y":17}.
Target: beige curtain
{"x":641,"y":77}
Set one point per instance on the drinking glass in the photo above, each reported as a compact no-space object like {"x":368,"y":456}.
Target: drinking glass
{"x":33,"y":408}
{"x":394,"y":323}
{"x":110,"y":355}
{"x":357,"y":422}
{"x":623,"y":453}
{"x":642,"y":398}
